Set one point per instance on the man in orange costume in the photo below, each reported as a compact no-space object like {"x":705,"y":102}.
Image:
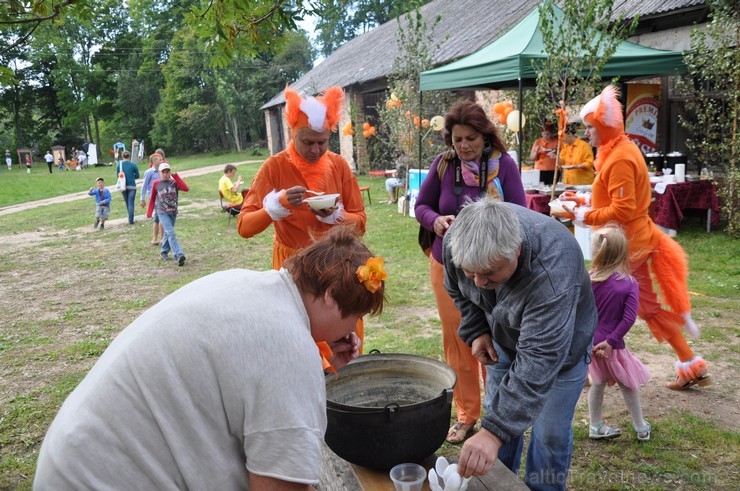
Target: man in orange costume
{"x":622,"y":193}
{"x":279,"y":187}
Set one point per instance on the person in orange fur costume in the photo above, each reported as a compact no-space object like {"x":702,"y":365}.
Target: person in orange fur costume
{"x":277,"y":192}
{"x":621,"y":193}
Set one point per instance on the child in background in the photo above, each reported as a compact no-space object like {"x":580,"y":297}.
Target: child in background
{"x":164,"y":199}
{"x":616,"y":294}
{"x":102,"y":201}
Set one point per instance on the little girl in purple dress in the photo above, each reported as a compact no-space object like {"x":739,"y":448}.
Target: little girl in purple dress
{"x":616,"y":294}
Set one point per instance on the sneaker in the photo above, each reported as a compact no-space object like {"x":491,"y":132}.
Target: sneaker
{"x":102,"y":226}
{"x":181,"y":260}
{"x":97,"y":222}
{"x":165,"y":256}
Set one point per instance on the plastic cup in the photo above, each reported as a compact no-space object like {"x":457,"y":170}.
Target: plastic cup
{"x":408,"y":477}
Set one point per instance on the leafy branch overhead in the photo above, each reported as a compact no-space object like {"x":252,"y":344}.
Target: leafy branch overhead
{"x":23,"y":18}
{"x":246,"y":27}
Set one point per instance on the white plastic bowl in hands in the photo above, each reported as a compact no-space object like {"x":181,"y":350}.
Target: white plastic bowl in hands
{"x":556,"y":206}
{"x":322,"y":202}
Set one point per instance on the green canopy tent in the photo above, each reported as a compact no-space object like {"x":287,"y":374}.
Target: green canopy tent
{"x":507,"y":62}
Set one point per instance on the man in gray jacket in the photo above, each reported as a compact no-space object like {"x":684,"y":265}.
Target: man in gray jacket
{"x":519,"y":280}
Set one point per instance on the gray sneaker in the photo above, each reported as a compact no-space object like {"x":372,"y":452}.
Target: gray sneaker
{"x":164,"y":256}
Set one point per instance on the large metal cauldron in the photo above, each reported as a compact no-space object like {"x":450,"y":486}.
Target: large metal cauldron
{"x":385,"y":409}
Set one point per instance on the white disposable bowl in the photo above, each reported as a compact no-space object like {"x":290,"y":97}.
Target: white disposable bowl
{"x":556,"y":206}
{"x":321,"y":202}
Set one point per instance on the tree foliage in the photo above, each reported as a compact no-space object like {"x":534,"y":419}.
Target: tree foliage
{"x":403,"y":119}
{"x":579,"y":40}
{"x":712,"y":94}
{"x":341,"y":20}
{"x":135,"y":69}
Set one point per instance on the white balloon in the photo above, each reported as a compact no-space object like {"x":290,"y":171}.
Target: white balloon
{"x":437,"y":123}
{"x":512,"y":121}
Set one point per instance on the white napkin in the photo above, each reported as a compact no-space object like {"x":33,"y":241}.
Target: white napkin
{"x":660,"y":187}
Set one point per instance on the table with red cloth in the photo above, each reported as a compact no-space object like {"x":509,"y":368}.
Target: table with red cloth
{"x":685,"y":197}
{"x":538,"y":202}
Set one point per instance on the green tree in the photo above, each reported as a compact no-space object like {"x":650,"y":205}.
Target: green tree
{"x":713,"y":101}
{"x":402,"y":119}
{"x":579,"y":40}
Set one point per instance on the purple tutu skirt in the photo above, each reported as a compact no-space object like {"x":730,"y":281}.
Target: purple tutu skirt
{"x":621,"y":366}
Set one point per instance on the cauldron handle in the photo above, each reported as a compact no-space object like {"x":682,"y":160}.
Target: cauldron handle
{"x":374,"y":351}
{"x":391,"y":410}
{"x":448,"y":395}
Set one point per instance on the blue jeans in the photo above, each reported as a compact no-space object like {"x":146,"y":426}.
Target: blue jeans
{"x":551,"y":441}
{"x":129,"y":197}
{"x":169,"y":240}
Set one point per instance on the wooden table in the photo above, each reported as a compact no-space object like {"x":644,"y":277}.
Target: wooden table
{"x":339,"y":475}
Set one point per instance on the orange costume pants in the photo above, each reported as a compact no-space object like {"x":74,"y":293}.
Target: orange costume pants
{"x":458,"y":354}
{"x":664,"y":324}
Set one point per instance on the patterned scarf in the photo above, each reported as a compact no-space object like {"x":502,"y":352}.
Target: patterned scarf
{"x":471,"y":173}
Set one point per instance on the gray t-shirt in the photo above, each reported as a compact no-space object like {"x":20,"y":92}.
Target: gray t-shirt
{"x":220,"y":377}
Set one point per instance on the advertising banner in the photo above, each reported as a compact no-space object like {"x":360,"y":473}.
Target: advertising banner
{"x":641,"y":123}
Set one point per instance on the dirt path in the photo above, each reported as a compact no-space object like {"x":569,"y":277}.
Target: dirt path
{"x":7,"y":210}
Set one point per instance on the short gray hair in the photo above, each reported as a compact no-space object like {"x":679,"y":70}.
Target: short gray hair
{"x":484,"y":233}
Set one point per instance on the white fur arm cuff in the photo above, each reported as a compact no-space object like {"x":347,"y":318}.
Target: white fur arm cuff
{"x":580,"y":213}
{"x":335,"y":217}
{"x":272,"y":206}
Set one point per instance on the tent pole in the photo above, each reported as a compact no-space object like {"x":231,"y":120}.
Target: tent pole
{"x":421,"y":112}
{"x":521,"y":130}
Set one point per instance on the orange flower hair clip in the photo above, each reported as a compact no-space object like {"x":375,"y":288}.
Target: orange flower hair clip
{"x":372,"y":273}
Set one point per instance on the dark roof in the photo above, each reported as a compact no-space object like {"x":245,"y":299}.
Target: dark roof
{"x":464,"y":27}
{"x":649,"y":8}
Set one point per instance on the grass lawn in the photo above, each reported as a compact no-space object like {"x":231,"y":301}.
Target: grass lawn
{"x":68,"y":289}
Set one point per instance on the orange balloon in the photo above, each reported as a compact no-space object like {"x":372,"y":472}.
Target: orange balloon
{"x":498,"y":108}
{"x":502,"y":119}
{"x":507,"y":111}
{"x":508,"y":104}
{"x":365,"y":125}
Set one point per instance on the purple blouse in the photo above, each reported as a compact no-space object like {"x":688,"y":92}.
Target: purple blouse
{"x":616,"y":302}
{"x":436,"y":197}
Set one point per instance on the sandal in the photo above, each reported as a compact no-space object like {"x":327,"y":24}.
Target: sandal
{"x":602,"y":431}
{"x":682,"y":384}
{"x":643,"y":434}
{"x":459,"y":432}
{"x":154,"y":243}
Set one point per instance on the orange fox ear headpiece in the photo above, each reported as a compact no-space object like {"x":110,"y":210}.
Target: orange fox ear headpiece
{"x":604,"y":112}
{"x":317,"y":113}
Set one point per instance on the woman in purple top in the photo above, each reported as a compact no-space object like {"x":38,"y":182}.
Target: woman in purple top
{"x":616,"y":294}
{"x":453,"y":180}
